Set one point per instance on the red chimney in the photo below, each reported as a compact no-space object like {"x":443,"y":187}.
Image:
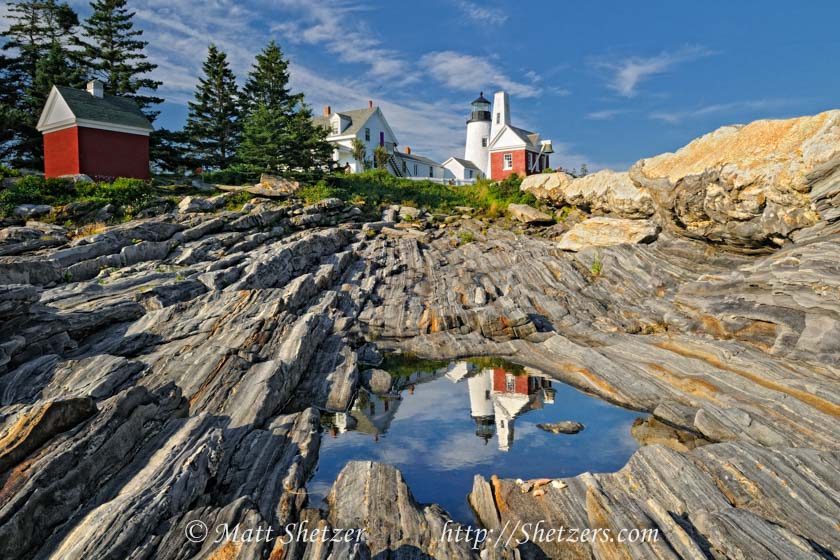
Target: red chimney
{"x":408,"y":150}
{"x":370,"y":104}
{"x":327,"y":111}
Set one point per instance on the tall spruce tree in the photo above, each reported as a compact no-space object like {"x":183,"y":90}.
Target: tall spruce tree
{"x":113,"y":51}
{"x":213,"y":127}
{"x":37,"y":39}
{"x":278,"y":134}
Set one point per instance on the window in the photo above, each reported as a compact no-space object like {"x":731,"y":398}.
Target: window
{"x":484,"y":142}
{"x":471,"y":173}
{"x":404,"y":167}
{"x":498,"y":118}
{"x":415,"y":169}
{"x":508,"y":161}
{"x":335,"y":128}
{"x":510,"y":383}
{"x":431,"y":171}
{"x":367,"y":135}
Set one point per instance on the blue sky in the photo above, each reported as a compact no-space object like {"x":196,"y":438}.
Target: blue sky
{"x":608,"y":82}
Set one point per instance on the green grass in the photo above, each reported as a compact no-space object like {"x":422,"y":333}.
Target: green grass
{"x":377,"y":188}
{"x":130,"y":195}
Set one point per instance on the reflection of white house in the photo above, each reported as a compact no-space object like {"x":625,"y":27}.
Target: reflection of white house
{"x":497,"y":397}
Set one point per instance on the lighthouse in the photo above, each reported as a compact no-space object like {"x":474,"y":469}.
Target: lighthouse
{"x":478,"y":133}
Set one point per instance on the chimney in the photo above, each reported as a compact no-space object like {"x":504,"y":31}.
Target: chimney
{"x":408,"y":150}
{"x":370,"y":103}
{"x":95,"y":88}
{"x":327,"y":111}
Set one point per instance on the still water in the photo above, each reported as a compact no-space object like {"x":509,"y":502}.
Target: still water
{"x":446,"y":422}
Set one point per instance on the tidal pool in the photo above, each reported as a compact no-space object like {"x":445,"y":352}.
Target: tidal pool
{"x":448,"y":421}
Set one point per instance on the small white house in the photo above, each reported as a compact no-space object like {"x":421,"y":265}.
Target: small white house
{"x":413,"y":166}
{"x":461,"y":171}
{"x":367,"y":125}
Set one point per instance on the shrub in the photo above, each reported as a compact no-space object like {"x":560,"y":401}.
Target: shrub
{"x":233,"y":175}
{"x":8,"y":172}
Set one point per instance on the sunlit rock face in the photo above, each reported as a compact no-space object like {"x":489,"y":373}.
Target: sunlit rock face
{"x":751,"y":185}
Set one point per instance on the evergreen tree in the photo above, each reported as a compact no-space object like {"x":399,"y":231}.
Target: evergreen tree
{"x":278,"y":134}
{"x":114,"y":53}
{"x":213,"y":126}
{"x":169,"y":150}
{"x":38,"y":34}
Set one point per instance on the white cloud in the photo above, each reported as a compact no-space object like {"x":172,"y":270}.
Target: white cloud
{"x":466,"y":72}
{"x":483,"y":15}
{"x":336,"y":25}
{"x":676,"y":117}
{"x":626,"y":74}
{"x":604,"y":115}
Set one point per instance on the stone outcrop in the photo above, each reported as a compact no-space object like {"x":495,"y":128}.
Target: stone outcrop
{"x":749,"y":186}
{"x":171,"y":370}
{"x":603,"y":231}
{"x":528,"y":214}
{"x":604,"y":192}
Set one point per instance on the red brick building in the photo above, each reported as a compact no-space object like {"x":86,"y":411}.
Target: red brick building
{"x":90,"y":132}
{"x":515,"y":150}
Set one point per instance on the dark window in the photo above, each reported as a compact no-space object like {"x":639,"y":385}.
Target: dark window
{"x":498,"y":118}
{"x":484,"y":142}
{"x":471,"y":174}
{"x":415,"y":169}
{"x":367,"y":135}
{"x":431,"y":171}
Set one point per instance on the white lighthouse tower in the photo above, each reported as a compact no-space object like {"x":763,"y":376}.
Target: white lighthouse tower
{"x":478,"y":134}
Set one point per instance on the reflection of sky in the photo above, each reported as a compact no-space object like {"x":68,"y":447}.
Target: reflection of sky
{"x":432,"y":441}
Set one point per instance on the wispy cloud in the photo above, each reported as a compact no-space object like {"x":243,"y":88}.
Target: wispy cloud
{"x":336,"y":25}
{"x":676,"y":117}
{"x":466,"y":72}
{"x":625,"y":75}
{"x":482,"y":14}
{"x":605,"y":115}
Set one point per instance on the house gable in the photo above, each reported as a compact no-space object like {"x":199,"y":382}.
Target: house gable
{"x":67,"y":107}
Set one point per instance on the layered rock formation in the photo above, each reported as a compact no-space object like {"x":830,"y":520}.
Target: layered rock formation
{"x":171,"y":370}
{"x":749,"y":187}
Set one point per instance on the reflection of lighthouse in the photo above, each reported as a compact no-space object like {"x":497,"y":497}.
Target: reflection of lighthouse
{"x":481,"y":403}
{"x":497,"y":397}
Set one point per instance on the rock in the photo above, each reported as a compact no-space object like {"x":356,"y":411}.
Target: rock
{"x":199,"y":184}
{"x":377,"y":381}
{"x":603,"y":232}
{"x":564,"y":427}
{"x":77,"y":178}
{"x":604,"y":192}
{"x":190,"y":204}
{"x":367,"y":494}
{"x":409,"y":213}
{"x":32,"y":210}
{"x":528,"y":215}
{"x":274,"y":187}
{"x":749,"y":186}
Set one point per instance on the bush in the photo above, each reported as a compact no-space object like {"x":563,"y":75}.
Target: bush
{"x":8,"y":172}
{"x":233,"y":175}
{"x":130,"y":195}
{"x":375,"y":188}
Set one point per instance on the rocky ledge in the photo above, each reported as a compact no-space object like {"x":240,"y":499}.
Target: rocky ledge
{"x":171,"y":370}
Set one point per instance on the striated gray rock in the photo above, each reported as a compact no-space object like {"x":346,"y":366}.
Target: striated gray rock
{"x":602,"y":232}
{"x":375,"y":497}
{"x":195,"y":204}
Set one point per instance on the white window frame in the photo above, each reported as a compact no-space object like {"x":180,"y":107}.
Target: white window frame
{"x":507,"y":161}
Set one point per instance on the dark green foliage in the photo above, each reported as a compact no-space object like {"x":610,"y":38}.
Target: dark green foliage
{"x":278,"y":135}
{"x":213,"y":126}
{"x":37,"y":38}
{"x":169,"y":151}
{"x":125,"y":193}
{"x":380,"y":157}
{"x":114,"y":53}
{"x":234,"y":175}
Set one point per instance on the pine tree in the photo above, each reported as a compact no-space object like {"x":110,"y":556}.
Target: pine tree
{"x":213,"y":126}
{"x":38,"y":36}
{"x":278,"y":134}
{"x":115,"y":54}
